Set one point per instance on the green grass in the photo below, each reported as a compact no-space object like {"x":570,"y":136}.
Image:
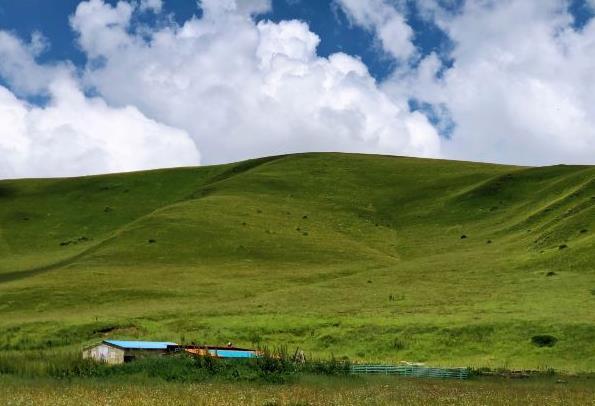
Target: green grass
{"x":352,"y":255}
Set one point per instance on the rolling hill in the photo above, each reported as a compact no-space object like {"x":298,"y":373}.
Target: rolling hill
{"x":370,"y":257}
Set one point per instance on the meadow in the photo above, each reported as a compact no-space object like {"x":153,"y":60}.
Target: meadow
{"x":308,"y":391}
{"x":371,"y":258}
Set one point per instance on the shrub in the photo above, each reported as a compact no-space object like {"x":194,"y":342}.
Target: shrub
{"x":544,"y":340}
{"x":327,"y":367}
{"x":275,"y":366}
{"x":272,"y":367}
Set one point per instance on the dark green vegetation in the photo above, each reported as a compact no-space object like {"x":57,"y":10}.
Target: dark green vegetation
{"x":370,"y":257}
{"x":272,"y":367}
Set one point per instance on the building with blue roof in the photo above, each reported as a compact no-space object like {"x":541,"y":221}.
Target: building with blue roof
{"x":120,"y":351}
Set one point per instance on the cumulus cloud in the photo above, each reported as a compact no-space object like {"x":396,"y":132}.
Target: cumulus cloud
{"x":74,"y":134}
{"x":243,"y":89}
{"x":390,"y":26}
{"x":18,"y":66}
{"x":521,"y":84}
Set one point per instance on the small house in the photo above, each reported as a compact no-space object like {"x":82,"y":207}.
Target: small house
{"x":118,"y":352}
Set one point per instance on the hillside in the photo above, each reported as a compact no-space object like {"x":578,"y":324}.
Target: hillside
{"x":372,"y":257}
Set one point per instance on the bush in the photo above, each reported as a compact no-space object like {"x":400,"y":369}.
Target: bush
{"x":544,"y":340}
{"x":327,"y":367}
{"x":272,"y":367}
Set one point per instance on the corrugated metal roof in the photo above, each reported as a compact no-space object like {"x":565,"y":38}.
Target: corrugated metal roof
{"x":140,"y":345}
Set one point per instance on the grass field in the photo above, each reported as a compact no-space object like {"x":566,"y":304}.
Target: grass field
{"x":308,"y":391}
{"x":369,"y":257}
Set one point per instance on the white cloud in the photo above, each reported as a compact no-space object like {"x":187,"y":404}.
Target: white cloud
{"x":243,"y":89}
{"x":522,"y":85}
{"x":91,"y":19}
{"x":151,"y":5}
{"x":390,"y":26}
{"x":18,"y":66}
{"x":217,"y":8}
{"x":75,"y":134}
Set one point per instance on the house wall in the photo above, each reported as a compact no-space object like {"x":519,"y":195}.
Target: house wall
{"x":105,"y":353}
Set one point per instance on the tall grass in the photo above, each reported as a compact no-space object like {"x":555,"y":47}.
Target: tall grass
{"x":274,"y":366}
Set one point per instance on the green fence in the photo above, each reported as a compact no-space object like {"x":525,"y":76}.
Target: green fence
{"x":412,"y":371}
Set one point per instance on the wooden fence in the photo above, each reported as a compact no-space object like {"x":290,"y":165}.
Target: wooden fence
{"x":416,"y":371}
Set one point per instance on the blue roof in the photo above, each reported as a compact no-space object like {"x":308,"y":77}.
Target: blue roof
{"x":140,"y":345}
{"x":233,"y":353}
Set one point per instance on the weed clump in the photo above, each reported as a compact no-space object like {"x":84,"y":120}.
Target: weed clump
{"x":398,"y":344}
{"x":544,"y":340}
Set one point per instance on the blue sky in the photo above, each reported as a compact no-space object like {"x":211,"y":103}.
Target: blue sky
{"x":510,"y":81}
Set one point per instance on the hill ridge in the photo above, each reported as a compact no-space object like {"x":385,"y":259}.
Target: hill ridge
{"x":372,"y":257}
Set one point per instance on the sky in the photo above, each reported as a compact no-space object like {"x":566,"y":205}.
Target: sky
{"x":100,"y":86}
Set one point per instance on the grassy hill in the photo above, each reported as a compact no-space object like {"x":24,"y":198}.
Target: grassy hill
{"x":371,"y":257}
